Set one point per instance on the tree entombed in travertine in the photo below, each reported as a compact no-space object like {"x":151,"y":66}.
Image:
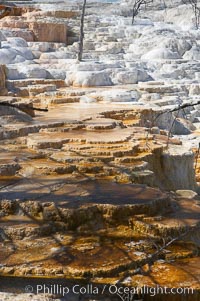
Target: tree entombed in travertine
{"x":196,"y":10}
{"x":80,"y":52}
{"x":137,"y":6}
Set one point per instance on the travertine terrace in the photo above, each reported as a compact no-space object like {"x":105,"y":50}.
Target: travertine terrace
{"x":99,"y":159}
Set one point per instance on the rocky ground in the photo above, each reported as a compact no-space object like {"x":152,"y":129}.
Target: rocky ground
{"x":102,"y":184}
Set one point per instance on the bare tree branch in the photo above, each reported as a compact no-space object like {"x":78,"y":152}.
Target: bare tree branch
{"x":137,"y":6}
{"x":178,"y":108}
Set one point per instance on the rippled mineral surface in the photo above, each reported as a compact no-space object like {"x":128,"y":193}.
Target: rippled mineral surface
{"x":99,"y":158}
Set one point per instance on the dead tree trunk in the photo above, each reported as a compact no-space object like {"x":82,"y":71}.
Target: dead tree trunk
{"x":137,"y":6}
{"x":80,"y":52}
{"x":197,"y":16}
{"x":196,"y":10}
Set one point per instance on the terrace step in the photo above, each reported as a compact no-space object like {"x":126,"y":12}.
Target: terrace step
{"x":8,"y":167}
{"x":67,"y":99}
{"x":13,"y":84}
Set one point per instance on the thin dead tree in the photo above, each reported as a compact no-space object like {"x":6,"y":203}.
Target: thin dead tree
{"x":81,"y":38}
{"x":21,"y":108}
{"x":196,"y":10}
{"x":137,"y":4}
